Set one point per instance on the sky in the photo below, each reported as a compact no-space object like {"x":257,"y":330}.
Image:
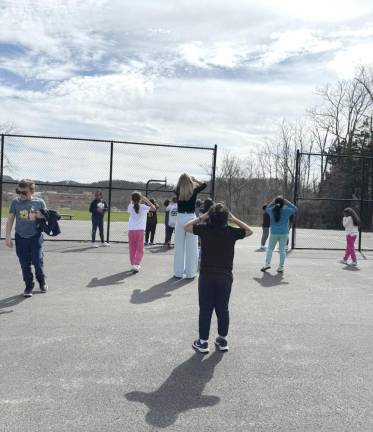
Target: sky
{"x":185,"y":72}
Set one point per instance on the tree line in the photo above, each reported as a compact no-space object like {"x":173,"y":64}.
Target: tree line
{"x":339,"y":130}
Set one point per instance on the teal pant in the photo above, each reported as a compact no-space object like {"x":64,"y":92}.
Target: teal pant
{"x":282,"y":241}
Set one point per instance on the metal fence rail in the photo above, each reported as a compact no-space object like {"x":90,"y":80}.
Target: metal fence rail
{"x":68,"y":170}
{"x":333,"y":182}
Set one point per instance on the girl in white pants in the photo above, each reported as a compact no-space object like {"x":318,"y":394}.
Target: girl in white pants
{"x":186,"y":244}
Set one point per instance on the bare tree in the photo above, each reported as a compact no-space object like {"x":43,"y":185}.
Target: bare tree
{"x":343,"y":109}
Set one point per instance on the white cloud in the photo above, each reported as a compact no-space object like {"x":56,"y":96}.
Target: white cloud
{"x":182,"y":72}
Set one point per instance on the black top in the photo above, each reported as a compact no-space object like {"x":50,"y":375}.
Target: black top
{"x":266,"y":220}
{"x":217,"y":247}
{"x":94,"y":206}
{"x":190,"y":205}
{"x":152,"y":217}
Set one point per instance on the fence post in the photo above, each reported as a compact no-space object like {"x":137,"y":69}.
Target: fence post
{"x":361,"y":201}
{"x":213,"y":180}
{"x":295,"y":198}
{"x":1,"y":182}
{"x":110,"y":189}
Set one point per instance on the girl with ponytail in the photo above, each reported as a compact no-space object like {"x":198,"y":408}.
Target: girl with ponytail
{"x":136,"y":227}
{"x":279,"y":211}
{"x":351,"y":223}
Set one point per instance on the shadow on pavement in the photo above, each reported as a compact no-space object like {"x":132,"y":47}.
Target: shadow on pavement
{"x":82,"y":249}
{"x":158,"y":291}
{"x":268,"y":280}
{"x":182,"y":391}
{"x":351,"y":268}
{"x":114,"y":279}
{"x":11,"y":301}
{"x":159,"y":249}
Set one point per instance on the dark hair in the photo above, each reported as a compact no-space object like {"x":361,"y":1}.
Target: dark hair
{"x":166,"y":203}
{"x":218,"y":214}
{"x":27,"y":184}
{"x":351,"y":212}
{"x":207,"y":204}
{"x":136,"y":198}
{"x":264,"y":207}
{"x":279,"y":203}
{"x":198,"y":203}
{"x":174,"y":199}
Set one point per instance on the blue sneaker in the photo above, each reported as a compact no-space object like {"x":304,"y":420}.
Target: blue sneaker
{"x":201,"y":347}
{"x":222,"y":344}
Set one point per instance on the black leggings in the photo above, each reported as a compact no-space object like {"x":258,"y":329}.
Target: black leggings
{"x":214,"y":291}
{"x":150,"y":230}
{"x":98,"y":223}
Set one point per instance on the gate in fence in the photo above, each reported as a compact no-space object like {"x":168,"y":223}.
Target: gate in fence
{"x":325,"y":184}
{"x":67,"y":172}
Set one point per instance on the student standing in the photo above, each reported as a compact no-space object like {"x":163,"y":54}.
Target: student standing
{"x":215,"y":280}
{"x":351,"y":222}
{"x":266,"y":223}
{"x":151,"y":224}
{"x":279,"y":211}
{"x":98,"y":208}
{"x":26,"y":210}
{"x":136,"y":228}
{"x":186,"y":244}
{"x":172,"y":217}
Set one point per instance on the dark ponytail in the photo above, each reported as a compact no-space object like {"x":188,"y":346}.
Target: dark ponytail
{"x":136,"y":197}
{"x":279,"y":203}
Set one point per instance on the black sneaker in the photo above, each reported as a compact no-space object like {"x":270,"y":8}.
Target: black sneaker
{"x":222,"y":344}
{"x":44,"y":288}
{"x":201,"y":347}
{"x":27,"y":293}
{"x":265,"y":268}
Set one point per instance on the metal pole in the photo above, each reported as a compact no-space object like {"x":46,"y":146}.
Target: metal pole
{"x":295,"y":198}
{"x":1,"y":181}
{"x":213,"y":179}
{"x":110,"y":189}
{"x":361,"y":201}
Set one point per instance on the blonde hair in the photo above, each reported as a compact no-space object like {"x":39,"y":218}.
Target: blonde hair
{"x":185,"y":187}
{"x":27,"y":184}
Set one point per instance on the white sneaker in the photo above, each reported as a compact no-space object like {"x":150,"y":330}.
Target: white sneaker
{"x":280,"y":269}
{"x":106,"y":244}
{"x":354,"y":264}
{"x":263,"y":248}
{"x":134,"y":268}
{"x":342,"y":261}
{"x":94,"y":245}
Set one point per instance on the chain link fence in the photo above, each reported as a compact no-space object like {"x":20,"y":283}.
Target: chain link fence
{"x":325,"y":185}
{"x":68,"y":171}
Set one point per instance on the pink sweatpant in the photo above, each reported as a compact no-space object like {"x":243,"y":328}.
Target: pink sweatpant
{"x":136,"y":244}
{"x":350,"y":247}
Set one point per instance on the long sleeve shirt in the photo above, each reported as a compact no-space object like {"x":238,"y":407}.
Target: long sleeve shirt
{"x":349,"y":226}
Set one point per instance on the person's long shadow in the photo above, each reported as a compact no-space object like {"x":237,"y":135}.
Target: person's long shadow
{"x":158,"y":291}
{"x":114,"y":279}
{"x":182,"y":391}
{"x":11,"y":301}
{"x":268,"y":280}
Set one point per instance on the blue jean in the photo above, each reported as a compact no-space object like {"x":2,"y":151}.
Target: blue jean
{"x":186,"y":248}
{"x":30,"y":252}
{"x":282,"y":241}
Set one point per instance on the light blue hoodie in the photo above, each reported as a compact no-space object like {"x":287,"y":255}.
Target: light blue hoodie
{"x":282,"y":226}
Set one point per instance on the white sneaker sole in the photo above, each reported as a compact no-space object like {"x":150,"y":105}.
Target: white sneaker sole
{"x":201,"y":350}
{"x":226,"y":348}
